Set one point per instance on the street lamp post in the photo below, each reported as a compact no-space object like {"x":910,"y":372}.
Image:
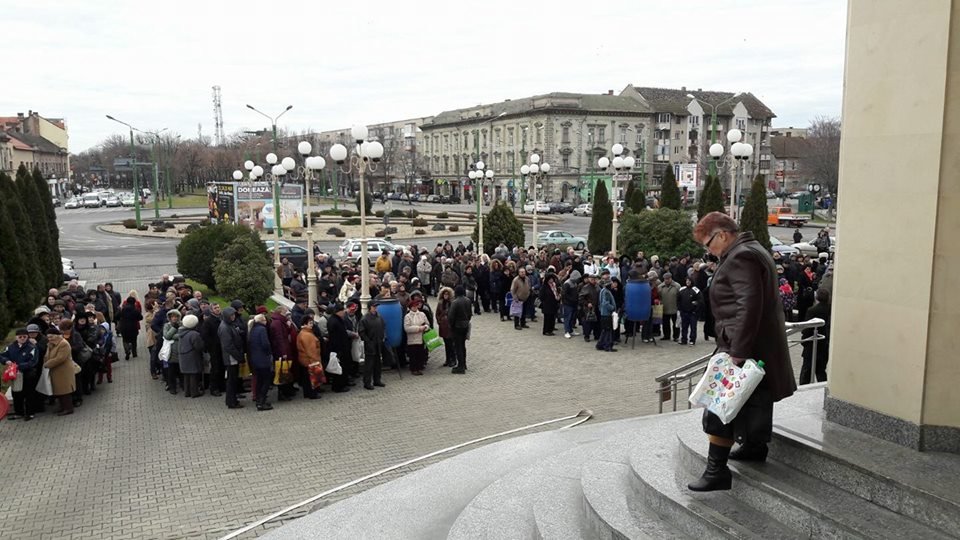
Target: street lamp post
{"x":366,"y":155}
{"x":273,"y":124}
{"x":741,"y":152}
{"x":478,"y":176}
{"x":713,"y":124}
{"x":621,"y":166}
{"x":310,"y":164}
{"x":133,"y":169}
{"x":156,"y":170}
{"x":537,"y":172}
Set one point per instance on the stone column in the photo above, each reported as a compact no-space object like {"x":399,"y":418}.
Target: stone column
{"x":895,"y":342}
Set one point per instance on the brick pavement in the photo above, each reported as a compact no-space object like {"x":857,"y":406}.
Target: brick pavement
{"x":136,"y":462}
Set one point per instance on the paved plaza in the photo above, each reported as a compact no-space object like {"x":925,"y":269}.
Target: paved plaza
{"x":136,"y":462}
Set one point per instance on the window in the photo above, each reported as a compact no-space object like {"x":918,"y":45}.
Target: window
{"x":741,"y":124}
{"x":676,"y":150}
{"x":523,"y":136}
{"x":565,"y":135}
{"x":510,"y":137}
{"x":676,"y":135}
{"x":601,"y":138}
{"x":639,"y":136}
{"x":591,"y":135}
{"x":456,"y":140}
{"x":446,"y":144}
{"x":498,"y":138}
{"x":623,"y":135}
{"x":694,"y":120}
{"x":679,"y":119}
{"x":565,"y":161}
{"x":663,"y":118}
{"x":483,"y":135}
{"x":538,"y":137}
{"x":793,"y":165}
{"x":466,"y":140}
{"x":446,"y":164}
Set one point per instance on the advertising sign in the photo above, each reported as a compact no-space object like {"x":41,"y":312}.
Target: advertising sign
{"x":252,"y":203}
{"x":687,"y":176}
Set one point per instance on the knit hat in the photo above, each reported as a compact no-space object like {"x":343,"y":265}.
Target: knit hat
{"x":191,"y":321}
{"x":41,"y":310}
{"x":33,"y":328}
{"x":261,"y":310}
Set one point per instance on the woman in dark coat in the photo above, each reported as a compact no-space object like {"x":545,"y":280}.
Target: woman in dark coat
{"x":128,"y":324}
{"x":444,"y":299}
{"x":749,"y":325}
{"x":549,"y":303}
{"x":496,"y":287}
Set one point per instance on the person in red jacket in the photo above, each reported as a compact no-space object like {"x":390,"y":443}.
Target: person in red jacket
{"x":280,"y":331}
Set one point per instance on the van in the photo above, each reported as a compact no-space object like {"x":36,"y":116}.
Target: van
{"x":93,"y":200}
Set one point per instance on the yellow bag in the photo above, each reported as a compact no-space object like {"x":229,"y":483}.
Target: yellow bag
{"x":245,"y":370}
{"x":281,"y":371}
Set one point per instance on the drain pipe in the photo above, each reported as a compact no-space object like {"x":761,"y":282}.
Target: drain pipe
{"x":582,"y":416}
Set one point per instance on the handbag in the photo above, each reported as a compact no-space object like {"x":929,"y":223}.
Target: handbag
{"x":516,"y":309}
{"x":333,"y":366}
{"x":86,"y":353}
{"x":356,"y":350}
{"x":432,"y":339}
{"x":616,"y":321}
{"x":76,"y":368}
{"x":726,"y":387}
{"x":317,"y":377}
{"x":281,"y":372}
{"x":656,"y":314}
{"x":44,"y":385}
{"x":11,"y":373}
{"x":244,"y":370}
{"x":17,"y":385}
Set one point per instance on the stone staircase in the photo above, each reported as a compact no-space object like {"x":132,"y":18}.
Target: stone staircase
{"x":627,"y":479}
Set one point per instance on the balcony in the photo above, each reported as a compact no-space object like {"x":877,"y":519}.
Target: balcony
{"x":663,"y":157}
{"x":663,"y":126}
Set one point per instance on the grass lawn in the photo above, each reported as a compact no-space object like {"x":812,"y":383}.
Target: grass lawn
{"x":215,"y":298}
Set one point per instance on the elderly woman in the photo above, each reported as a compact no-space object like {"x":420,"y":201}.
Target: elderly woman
{"x":749,"y":324}
{"x":444,"y":300}
{"x":171,"y":333}
{"x":128,"y":324}
{"x":415,"y":324}
{"x":59,"y":361}
{"x":190,"y":353}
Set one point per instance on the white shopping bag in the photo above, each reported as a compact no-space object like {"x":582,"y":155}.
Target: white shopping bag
{"x":44,"y":386}
{"x":333,"y":366}
{"x":725,"y":387}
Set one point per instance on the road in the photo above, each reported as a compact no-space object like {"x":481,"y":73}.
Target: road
{"x":81,"y":241}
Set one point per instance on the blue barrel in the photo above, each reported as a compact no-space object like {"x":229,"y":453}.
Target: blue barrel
{"x":637,"y":300}
{"x":392,"y":314}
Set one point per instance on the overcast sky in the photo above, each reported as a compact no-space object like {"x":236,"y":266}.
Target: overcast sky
{"x":153,"y":64}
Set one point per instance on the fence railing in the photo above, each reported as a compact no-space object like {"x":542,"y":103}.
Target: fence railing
{"x":683,"y":377}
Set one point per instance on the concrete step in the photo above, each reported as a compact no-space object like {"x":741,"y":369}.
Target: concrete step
{"x":806,"y":504}
{"x":610,"y":502}
{"x":923,"y":486}
{"x":542,"y":500}
{"x":660,"y":481}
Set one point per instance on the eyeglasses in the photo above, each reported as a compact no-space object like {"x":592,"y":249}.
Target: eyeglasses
{"x":714,"y":235}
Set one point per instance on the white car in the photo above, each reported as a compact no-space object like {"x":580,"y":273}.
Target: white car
{"x":585,"y":209}
{"x":542,"y":207}
{"x":73,"y":203}
{"x":351,"y":249}
{"x":127,"y":200}
{"x":92,"y":200}
{"x":806,"y":248}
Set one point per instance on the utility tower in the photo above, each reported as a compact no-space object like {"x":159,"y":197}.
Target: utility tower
{"x":217,"y":117}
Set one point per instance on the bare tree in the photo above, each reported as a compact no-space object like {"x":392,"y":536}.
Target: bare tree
{"x":822,"y":158}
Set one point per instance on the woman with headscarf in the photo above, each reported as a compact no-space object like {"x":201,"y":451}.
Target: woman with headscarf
{"x":59,"y":360}
{"x":444,"y":299}
{"x":415,"y":324}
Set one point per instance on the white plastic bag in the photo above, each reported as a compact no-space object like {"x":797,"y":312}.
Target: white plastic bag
{"x":333,"y":366}
{"x":616,"y":321}
{"x":44,"y":386}
{"x":164,"y":354}
{"x":725,"y":387}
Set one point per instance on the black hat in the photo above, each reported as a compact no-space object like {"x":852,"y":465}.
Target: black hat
{"x":22,"y":332}
{"x":53,"y":330}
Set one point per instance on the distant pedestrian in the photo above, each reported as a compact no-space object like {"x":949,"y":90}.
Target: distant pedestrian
{"x":459,"y":316}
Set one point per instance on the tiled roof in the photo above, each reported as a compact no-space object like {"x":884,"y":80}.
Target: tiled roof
{"x":675,"y":100}
{"x":788,"y":147}
{"x":36,"y":143}
{"x":594,"y":103}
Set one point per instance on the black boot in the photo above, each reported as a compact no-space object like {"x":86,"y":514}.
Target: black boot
{"x":717,"y":476}
{"x":750,"y":452}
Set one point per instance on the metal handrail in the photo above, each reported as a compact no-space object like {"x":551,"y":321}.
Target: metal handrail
{"x":669,"y":382}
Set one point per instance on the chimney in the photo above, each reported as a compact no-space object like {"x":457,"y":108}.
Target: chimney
{"x":609,"y":92}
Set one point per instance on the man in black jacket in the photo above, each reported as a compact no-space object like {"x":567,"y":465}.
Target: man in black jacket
{"x":372,"y":333}
{"x":231,"y":354}
{"x":459,"y":316}
{"x":209,"y":329}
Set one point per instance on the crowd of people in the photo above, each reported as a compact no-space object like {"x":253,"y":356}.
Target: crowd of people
{"x":197,"y":347}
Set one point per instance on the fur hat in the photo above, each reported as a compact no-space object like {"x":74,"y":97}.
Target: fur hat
{"x":191,"y":321}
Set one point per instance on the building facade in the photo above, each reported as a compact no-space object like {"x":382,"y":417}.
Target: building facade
{"x":34,"y":141}
{"x":789,"y":153}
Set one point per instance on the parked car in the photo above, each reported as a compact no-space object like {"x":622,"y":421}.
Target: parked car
{"x":560,"y":208}
{"x":806,"y":248}
{"x":127,"y":199}
{"x":271,"y":243}
{"x":295,"y":254}
{"x":433,"y":198}
{"x":542,"y":207}
{"x":771,"y":194}
{"x":585,"y":209}
{"x":73,"y":203}
{"x":783,"y":249}
{"x":93,"y":200}
{"x":66,"y":262}
{"x":69,"y":273}
{"x":112,"y":201}
{"x":351,"y":249}
{"x":561,"y":239}
{"x":55,"y":201}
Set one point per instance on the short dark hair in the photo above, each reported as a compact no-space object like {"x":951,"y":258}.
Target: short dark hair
{"x":714,"y":221}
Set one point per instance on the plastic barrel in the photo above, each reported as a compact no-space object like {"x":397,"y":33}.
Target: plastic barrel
{"x":637,"y":300}
{"x":392,"y":314}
